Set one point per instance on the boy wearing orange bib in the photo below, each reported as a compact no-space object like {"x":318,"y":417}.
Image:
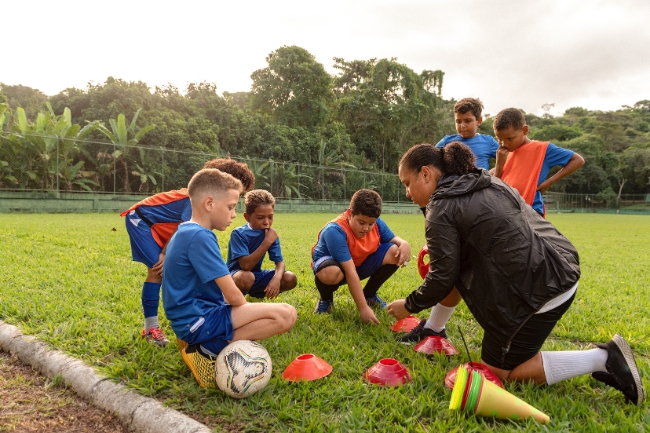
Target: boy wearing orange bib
{"x":352,"y":247}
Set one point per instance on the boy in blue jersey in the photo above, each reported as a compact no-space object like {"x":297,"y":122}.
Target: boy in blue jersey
{"x":150,"y":224}
{"x":204,"y":306}
{"x":249,"y":244}
{"x":352,"y":247}
{"x":467,"y":116}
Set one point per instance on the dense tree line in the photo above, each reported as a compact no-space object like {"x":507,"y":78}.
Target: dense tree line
{"x":359,"y":120}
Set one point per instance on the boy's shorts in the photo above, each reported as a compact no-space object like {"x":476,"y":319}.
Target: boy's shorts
{"x":368,"y":267}
{"x":526,"y":343}
{"x":215,"y":331}
{"x":144,"y":248}
{"x":262,"y":279}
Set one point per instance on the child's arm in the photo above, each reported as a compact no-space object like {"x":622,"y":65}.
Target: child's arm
{"x":273,"y":288}
{"x":230,"y":291}
{"x":354,"y":284}
{"x":247,"y":262}
{"x":501,"y":158}
{"x":403,"y":250}
{"x":574,"y":163}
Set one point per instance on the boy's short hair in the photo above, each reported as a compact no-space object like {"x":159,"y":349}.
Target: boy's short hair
{"x":366,"y":202}
{"x":510,"y":117}
{"x":238,"y":170}
{"x":257,"y":197}
{"x":212,"y":181}
{"x":472,"y":105}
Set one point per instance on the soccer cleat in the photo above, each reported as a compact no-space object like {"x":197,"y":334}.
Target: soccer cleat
{"x":622,"y":372}
{"x":376,"y":301}
{"x":324,"y":307}
{"x":419,"y":333}
{"x":155,"y":336}
{"x":201,"y":366}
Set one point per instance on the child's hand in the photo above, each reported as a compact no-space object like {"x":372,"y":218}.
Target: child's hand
{"x":502,"y":155}
{"x":404,"y":254}
{"x":367,"y":315}
{"x":158,"y":267}
{"x":271,"y":235}
{"x":397,"y":309}
{"x":272,"y":289}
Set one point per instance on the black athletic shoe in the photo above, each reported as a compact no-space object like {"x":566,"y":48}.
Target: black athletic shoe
{"x":419,"y":333}
{"x":622,"y":372}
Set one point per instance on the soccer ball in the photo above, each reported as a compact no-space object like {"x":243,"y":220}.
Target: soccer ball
{"x":243,"y":367}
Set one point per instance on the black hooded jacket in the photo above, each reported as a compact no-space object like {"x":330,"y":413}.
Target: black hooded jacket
{"x":505,"y":260}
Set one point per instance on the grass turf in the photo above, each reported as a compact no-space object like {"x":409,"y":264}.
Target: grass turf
{"x":69,"y":279}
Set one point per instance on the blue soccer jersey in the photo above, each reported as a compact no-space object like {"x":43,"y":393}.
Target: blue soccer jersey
{"x":333,"y":241}
{"x":189,"y":291}
{"x":483,"y":147}
{"x":243,"y":241}
{"x":554,"y":156}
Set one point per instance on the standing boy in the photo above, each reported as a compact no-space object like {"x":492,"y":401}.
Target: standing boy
{"x":204,"y":306}
{"x":150,"y":224}
{"x":467,"y":116}
{"x":354,"y":246}
{"x":249,"y":244}
{"x":524,"y":164}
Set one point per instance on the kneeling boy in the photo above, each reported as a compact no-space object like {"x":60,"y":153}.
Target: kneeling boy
{"x":204,"y":306}
{"x":354,"y":246}
{"x":249,"y":244}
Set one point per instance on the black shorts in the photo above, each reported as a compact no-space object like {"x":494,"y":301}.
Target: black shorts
{"x":526,"y":343}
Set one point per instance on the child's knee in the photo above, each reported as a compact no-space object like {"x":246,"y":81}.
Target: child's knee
{"x":391,"y":257}
{"x":288,"y":316}
{"x":244,"y":280}
{"x":330,"y":275}
{"x":289,"y":280}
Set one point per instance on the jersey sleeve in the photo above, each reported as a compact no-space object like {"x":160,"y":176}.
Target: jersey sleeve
{"x":385,"y":233}
{"x":494,"y":146}
{"x":237,"y":246}
{"x":275,"y":253}
{"x":336,"y":242}
{"x":557,"y":156}
{"x":442,"y":142}
{"x":186,"y":213}
{"x":206,"y":257}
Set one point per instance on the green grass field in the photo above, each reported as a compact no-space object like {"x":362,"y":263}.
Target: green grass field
{"x":69,"y":280}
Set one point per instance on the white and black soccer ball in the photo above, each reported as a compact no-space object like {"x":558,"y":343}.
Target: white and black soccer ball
{"x":243,"y":367}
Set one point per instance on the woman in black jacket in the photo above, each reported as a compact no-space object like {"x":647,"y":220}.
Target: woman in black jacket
{"x":514,"y":270}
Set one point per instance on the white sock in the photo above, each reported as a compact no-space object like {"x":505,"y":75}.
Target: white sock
{"x":151,"y":322}
{"x":439,"y":317}
{"x":562,"y":365}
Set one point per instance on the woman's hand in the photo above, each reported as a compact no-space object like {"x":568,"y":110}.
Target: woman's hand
{"x":397,"y":309}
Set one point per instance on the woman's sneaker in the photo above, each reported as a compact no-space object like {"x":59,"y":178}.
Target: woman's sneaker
{"x":155,"y":336}
{"x":419,"y":333}
{"x":622,"y":372}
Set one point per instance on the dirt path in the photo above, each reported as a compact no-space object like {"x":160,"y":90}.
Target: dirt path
{"x":29,"y":402}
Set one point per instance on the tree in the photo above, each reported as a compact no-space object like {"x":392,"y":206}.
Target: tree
{"x":119,"y":136}
{"x":294,"y":89}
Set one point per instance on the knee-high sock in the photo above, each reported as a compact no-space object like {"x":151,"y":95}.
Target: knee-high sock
{"x":150,"y":301}
{"x":326,"y":290}
{"x":377,"y":279}
{"x":564,"y":365}
{"x":439,"y":317}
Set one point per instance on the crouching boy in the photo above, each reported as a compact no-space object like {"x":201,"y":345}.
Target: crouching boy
{"x":355,"y":246}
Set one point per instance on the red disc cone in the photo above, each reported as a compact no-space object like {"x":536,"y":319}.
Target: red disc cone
{"x":388,"y":372}
{"x":306,"y":367}
{"x":405,"y":324}
{"x":436,"y":344}
{"x":483,"y":369}
{"x":423,"y":268}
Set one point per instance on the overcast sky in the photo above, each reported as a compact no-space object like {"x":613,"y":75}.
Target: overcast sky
{"x":593,"y":54}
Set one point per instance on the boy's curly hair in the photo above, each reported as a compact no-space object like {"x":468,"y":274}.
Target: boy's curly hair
{"x":472,"y":105}
{"x":510,"y":117}
{"x":366,"y":202}
{"x":211,"y":181}
{"x":237,"y":169}
{"x":257,"y":197}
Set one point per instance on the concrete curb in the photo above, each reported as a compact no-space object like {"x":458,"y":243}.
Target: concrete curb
{"x":138,"y":413}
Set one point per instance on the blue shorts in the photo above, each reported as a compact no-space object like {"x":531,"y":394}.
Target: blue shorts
{"x":216,"y":330}
{"x":144,"y":248}
{"x":368,"y":267}
{"x":262,"y":279}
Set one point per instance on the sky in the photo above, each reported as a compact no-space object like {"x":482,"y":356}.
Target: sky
{"x":508,"y":53}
